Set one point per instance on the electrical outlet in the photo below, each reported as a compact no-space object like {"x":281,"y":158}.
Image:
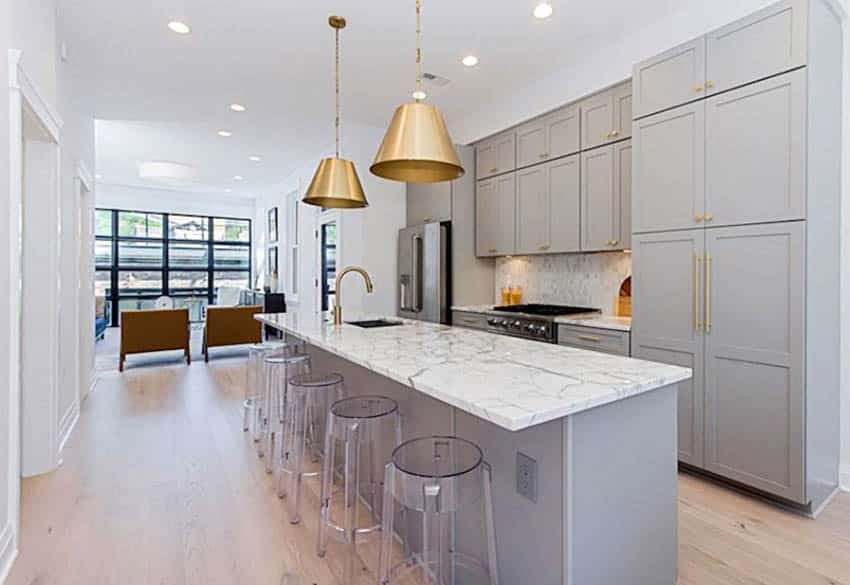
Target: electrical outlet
{"x":526,"y":476}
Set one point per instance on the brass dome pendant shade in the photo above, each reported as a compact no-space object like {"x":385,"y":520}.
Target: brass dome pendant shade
{"x":336,"y":184}
{"x":417,"y":147}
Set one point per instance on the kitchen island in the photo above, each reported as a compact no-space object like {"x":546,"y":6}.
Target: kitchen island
{"x":601,"y":429}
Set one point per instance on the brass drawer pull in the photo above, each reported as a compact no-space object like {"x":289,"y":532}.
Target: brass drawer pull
{"x":708,"y":217}
{"x":615,"y":133}
{"x":698,"y":87}
{"x":708,"y":293}
{"x":697,"y":218}
{"x":492,"y":250}
{"x":543,"y":247}
{"x":494,"y":169}
{"x":590,"y":338}
{"x":544,"y":155}
{"x":709,"y":84}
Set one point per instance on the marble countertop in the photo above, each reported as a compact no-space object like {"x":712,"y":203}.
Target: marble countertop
{"x":586,"y":320}
{"x":514,"y":383}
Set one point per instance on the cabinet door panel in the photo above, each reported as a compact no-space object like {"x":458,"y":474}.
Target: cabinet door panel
{"x":485,"y":160}
{"x":530,"y":144}
{"x":532,"y":222}
{"x":564,"y":207}
{"x":623,"y":187}
{"x":667,"y":296}
{"x":755,"y":152}
{"x":754,"y":396}
{"x":600,"y":206}
{"x":597,"y":120}
{"x":768,"y":42}
{"x":505,"y":152}
{"x":668,"y":167}
{"x":486,"y":218}
{"x":623,"y":111}
{"x":670,"y":79}
{"x":562,"y":133}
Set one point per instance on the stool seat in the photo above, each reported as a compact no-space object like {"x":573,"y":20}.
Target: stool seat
{"x":437,"y":457}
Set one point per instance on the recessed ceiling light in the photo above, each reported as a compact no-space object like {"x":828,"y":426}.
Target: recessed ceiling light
{"x":543,"y":10}
{"x":470,"y":61}
{"x":181,"y":28}
{"x":228,"y":190}
{"x":238,"y":107}
{"x":255,"y":158}
{"x":98,"y":176}
{"x":225,"y":133}
{"x":419,"y":95}
{"x":238,"y":178}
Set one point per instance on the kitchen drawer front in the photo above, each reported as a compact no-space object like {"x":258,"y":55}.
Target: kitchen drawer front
{"x":469,"y":320}
{"x":604,"y":340}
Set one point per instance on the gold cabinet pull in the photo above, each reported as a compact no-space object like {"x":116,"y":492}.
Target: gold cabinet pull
{"x":544,"y":154}
{"x":708,"y":293}
{"x":494,"y":169}
{"x":697,"y":269}
{"x":492,"y":250}
{"x":698,"y":87}
{"x":709,"y":84}
{"x":615,"y":242}
{"x":543,"y":247}
{"x":589,"y":338}
{"x":615,"y":133}
{"x":697,"y":217}
{"x":708,"y":217}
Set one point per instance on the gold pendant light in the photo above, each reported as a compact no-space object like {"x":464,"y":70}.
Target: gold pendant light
{"x":417,"y":147}
{"x":335,"y":183}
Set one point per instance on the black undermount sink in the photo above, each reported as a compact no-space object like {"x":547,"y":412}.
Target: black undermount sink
{"x":374,"y":323}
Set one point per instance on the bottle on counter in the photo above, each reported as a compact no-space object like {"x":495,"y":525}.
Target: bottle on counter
{"x":506,"y":295}
{"x":516,"y":295}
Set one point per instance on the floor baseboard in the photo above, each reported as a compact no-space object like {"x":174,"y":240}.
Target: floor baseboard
{"x":844,"y":478}
{"x":67,"y":423}
{"x":8,"y":552}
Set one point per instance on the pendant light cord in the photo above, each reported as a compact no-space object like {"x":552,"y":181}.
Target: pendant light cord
{"x":418,"y":50}
{"x":337,"y":93}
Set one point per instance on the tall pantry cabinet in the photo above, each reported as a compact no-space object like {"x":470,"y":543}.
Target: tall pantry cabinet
{"x":736,"y":195}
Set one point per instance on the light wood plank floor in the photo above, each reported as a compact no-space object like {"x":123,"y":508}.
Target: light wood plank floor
{"x":159,"y":486}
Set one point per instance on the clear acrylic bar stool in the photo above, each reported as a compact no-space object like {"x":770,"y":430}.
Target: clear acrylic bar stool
{"x":278,"y":369}
{"x":363,"y":424}
{"x":308,"y":399}
{"x":255,"y":382}
{"x":443,"y":479}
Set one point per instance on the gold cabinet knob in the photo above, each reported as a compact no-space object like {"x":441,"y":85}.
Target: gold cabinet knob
{"x":709,"y":84}
{"x":544,"y":155}
{"x":698,"y":87}
{"x":708,"y":217}
{"x":494,"y":169}
{"x":697,"y":218}
{"x":615,"y":242}
{"x":543,"y":247}
{"x":492,"y":250}
{"x":615,"y":133}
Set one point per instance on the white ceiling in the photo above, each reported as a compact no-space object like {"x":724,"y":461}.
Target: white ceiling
{"x":163,"y":96}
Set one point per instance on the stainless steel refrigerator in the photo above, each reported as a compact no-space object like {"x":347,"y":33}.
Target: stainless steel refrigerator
{"x":423,"y":272}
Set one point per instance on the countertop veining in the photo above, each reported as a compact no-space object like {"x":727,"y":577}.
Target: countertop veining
{"x":514,"y":383}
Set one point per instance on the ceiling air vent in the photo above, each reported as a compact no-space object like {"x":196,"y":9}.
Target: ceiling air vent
{"x":435,"y":79}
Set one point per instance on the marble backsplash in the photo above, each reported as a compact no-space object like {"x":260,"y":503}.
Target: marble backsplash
{"x":587,"y":280}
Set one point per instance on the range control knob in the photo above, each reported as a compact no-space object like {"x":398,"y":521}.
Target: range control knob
{"x":492,"y":321}
{"x":516,"y":324}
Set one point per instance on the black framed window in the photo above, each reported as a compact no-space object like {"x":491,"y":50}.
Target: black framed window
{"x":141,"y":255}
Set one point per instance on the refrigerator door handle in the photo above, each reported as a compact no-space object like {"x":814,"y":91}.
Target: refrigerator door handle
{"x":404,"y":291}
{"x":417,"y":273}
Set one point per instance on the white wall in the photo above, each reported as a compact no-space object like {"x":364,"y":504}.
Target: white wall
{"x":845,"y":265}
{"x":367,"y":236}
{"x":173,"y":201}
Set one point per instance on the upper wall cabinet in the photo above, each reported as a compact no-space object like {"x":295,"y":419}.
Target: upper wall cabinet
{"x":427,"y":202}
{"x":495,"y":156}
{"x":607,"y":116}
{"x":495,"y":216}
{"x":548,"y":208}
{"x":770,"y":41}
{"x":755,"y":152}
{"x":550,"y":137}
{"x":672,"y":78}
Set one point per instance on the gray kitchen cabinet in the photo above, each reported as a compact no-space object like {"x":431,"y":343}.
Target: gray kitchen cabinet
{"x":495,"y":156}
{"x":595,"y":339}
{"x":668,"y":170}
{"x":622,"y":111}
{"x":548,"y":207}
{"x":547,"y":138}
{"x":427,"y":202}
{"x":755,"y":152}
{"x":532,"y":210}
{"x":667,"y":320}
{"x":564,"y":215}
{"x":768,"y":42}
{"x":495,"y":216}
{"x":754,"y":390}
{"x":607,"y":116}
{"x":469,"y":320}
{"x":600,"y":205}
{"x":670,"y":79}
{"x":623,"y":189}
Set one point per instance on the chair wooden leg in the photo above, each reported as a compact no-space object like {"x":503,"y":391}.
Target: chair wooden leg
{"x":188,"y":357}
{"x":121,"y":363}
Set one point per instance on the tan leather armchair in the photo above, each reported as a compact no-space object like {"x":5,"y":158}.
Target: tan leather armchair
{"x":231,"y":326}
{"x":154,"y":330}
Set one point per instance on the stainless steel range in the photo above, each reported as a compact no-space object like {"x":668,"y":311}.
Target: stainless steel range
{"x":533,"y":321}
